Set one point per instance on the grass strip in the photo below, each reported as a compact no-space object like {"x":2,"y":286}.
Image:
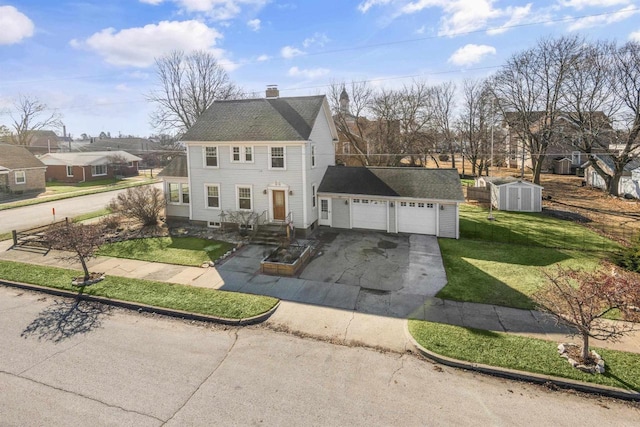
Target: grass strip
{"x":37,"y":201}
{"x":191,"y":251}
{"x":522,"y":353}
{"x":230,"y":305}
{"x":91,"y":215}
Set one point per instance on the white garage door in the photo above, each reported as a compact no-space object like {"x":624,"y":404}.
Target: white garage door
{"x":370,"y":214}
{"x":418,"y":218}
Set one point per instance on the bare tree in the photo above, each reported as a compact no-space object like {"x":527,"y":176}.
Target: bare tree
{"x":528,"y":89}
{"x":442,"y":105}
{"x":582,"y":299}
{"x":143,"y":203}
{"x":79,"y":241}
{"x":188,"y":83}
{"x":30,"y":115}
{"x":475,"y":123}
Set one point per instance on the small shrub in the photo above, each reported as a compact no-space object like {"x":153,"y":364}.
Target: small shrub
{"x":629,"y":257}
{"x":142,"y":203}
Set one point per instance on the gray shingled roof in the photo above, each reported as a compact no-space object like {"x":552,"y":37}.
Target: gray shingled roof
{"x":176,"y":168}
{"x":17,"y":157}
{"x":278,"y":119}
{"x":419,"y":183}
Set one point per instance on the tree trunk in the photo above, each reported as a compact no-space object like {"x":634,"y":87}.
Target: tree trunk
{"x":613,"y":186}
{"x":585,"y":347}
{"x":84,"y":267}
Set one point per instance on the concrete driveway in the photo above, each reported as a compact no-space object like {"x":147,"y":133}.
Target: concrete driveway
{"x":369,"y":272}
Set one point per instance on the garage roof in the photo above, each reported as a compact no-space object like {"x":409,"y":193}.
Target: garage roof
{"x":418,"y":183}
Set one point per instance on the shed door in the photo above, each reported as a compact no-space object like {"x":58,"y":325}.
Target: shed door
{"x":417,"y":217}
{"x":526,"y":199}
{"x":369,"y":214}
{"x":513,"y":195}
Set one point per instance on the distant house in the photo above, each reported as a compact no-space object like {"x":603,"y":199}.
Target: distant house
{"x":20,"y":171}
{"x":150,"y":152}
{"x":629,"y":182}
{"x":81,"y":167}
{"x":43,"y":141}
{"x":563,"y":149}
{"x":512,"y":194}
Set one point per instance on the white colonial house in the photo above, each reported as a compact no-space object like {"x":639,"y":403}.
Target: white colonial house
{"x":275,"y":158}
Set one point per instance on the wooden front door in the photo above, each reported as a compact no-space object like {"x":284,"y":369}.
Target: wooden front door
{"x":279,"y":211}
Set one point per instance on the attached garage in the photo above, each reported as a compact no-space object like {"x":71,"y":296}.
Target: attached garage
{"x":393,"y":200}
{"x":369,"y":213}
{"x":417,"y":217}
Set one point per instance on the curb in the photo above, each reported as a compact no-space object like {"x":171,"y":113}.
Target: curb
{"x":146,"y":308}
{"x":513,"y":374}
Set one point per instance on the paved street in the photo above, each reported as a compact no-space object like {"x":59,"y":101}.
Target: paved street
{"x":41,"y":214}
{"x":104,"y":366}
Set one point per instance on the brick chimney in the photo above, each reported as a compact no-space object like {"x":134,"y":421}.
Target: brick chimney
{"x":272,"y":91}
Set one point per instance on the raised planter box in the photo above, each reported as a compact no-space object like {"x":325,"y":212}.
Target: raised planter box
{"x":288,"y":269}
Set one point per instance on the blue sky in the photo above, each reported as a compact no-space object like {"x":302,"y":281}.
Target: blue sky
{"x":93,"y":59}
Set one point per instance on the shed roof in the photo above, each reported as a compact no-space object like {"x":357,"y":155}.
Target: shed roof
{"x":178,"y":167}
{"x":419,"y":183}
{"x":272,"y":119}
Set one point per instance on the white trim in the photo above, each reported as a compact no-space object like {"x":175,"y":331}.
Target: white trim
{"x":278,"y":187}
{"x":238,"y":187}
{"x":314,"y":161}
{"x":314,"y":196}
{"x":242,"y":154}
{"x":93,"y":168}
{"x":328,"y":220}
{"x":284,"y":157}
{"x":303,"y":151}
{"x":190,"y":186}
{"x":67,"y":170}
{"x":206,"y":197}
{"x":204,"y":157}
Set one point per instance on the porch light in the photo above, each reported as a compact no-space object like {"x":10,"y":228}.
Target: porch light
{"x":346,"y":202}
{"x":264,"y":191}
{"x":291,"y":192}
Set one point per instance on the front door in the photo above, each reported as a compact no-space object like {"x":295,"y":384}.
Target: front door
{"x":279,"y":210}
{"x":325,"y":212}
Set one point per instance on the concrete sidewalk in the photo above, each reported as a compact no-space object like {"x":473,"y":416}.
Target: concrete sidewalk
{"x":331,"y":311}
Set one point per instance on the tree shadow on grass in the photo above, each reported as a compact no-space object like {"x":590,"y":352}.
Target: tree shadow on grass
{"x":65,"y":319}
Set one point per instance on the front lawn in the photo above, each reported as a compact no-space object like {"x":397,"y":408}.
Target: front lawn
{"x":230,"y":305}
{"x":499,"y":262}
{"x":522,"y":353}
{"x":171,"y":250}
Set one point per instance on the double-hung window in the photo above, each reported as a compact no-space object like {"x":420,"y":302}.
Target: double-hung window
{"x":21,"y":177}
{"x":184,"y":188}
{"x":174,"y":192}
{"x":244,"y":198}
{"x":211,"y":157}
{"x":213,"y":196}
{"x":241,"y":154}
{"x":277,"y":158}
{"x":313,"y":156}
{"x":69,"y":171}
{"x":313,"y":195}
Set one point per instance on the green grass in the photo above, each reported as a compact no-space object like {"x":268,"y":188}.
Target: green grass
{"x":212,"y":302}
{"x":530,"y":229}
{"x":522,"y":353}
{"x":171,"y":250}
{"x":81,"y":192}
{"x":500,"y":262}
{"x":64,"y":187}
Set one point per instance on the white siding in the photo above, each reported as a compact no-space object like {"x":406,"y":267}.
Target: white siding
{"x":340,"y":213}
{"x":448,"y":221}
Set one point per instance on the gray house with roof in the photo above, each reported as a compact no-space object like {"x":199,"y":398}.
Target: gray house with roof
{"x":275,"y":158}
{"x":629,"y":182}
{"x":20,"y":171}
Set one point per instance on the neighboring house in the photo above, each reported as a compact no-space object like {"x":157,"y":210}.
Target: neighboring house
{"x":20,"y":171}
{"x":151,"y":153}
{"x":561,"y":150}
{"x":512,"y":194}
{"x":394,"y":200}
{"x":81,"y":167}
{"x":176,"y":188}
{"x":274,"y":158}
{"x":629,"y":182}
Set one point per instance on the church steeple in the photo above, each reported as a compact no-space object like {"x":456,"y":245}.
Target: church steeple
{"x":344,"y":101}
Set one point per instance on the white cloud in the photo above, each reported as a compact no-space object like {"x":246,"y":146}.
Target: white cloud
{"x":263,"y":57}
{"x":517,"y":16}
{"x":471,"y":54}
{"x":581,"y":4}
{"x":220,"y":10}
{"x":15,"y":25}
{"x":368,"y":4}
{"x":254,"y":24}
{"x":458,"y":16}
{"x":290,"y":51}
{"x":319,"y":39}
{"x":312,"y":73}
{"x":601,"y":20}
{"x":635,"y":36}
{"x":138,"y":47}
